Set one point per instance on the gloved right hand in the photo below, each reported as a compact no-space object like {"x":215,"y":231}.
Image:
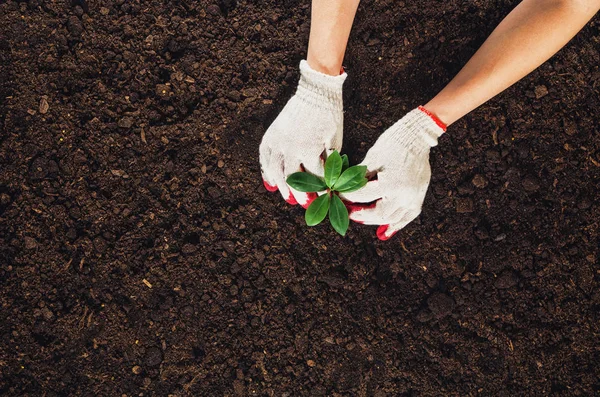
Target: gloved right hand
{"x":309,"y":125}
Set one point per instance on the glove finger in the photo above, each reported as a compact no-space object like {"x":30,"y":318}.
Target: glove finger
{"x":302,"y":198}
{"x":277,"y":169}
{"x":314,"y":165}
{"x":310,"y":197}
{"x":374,"y":215}
{"x":263,"y":154}
{"x":335,"y":143}
{"x":265,"y":168}
{"x":366,"y":194}
{"x":268,"y":186}
{"x":385,"y":232}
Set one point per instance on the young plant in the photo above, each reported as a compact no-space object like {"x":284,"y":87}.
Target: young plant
{"x":339,"y":178}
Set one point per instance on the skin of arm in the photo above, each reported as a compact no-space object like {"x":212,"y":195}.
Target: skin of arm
{"x":533,"y":32}
{"x":331,"y":22}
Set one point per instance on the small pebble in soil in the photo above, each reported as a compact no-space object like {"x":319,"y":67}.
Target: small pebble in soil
{"x":136,"y":369}
{"x":126,"y":122}
{"x":464,"y":205}
{"x":440,"y":305}
{"x":47,"y":314}
{"x":214,"y":192}
{"x":30,"y":243}
{"x":74,"y":26}
{"x":78,"y":11}
{"x":465,"y":189}
{"x":540,"y":91}
{"x":4,"y":199}
{"x":500,"y":237}
{"x":507,"y":279}
{"x":228,"y":5}
{"x":423,"y":316}
{"x":310,"y":363}
{"x":239,"y":388}
{"x":81,"y":4}
{"x":213,"y":9}
{"x":479,"y":181}
{"x":188,"y":249}
{"x":530,"y":184}
{"x":163,"y":90}
{"x":584,"y":203}
{"x":570,"y":127}
{"x":44,"y":106}
{"x":153,"y":356}
{"x":187,"y":311}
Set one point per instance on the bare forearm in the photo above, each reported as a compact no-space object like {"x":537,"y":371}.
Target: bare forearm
{"x":533,"y":32}
{"x":331,"y":21}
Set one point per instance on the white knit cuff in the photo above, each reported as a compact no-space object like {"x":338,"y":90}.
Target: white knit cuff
{"x":319,"y":88}
{"x":417,"y":130}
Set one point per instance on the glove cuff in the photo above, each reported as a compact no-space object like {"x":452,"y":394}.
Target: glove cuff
{"x":435,"y":118}
{"x":318,"y":88}
{"x":418,"y":129}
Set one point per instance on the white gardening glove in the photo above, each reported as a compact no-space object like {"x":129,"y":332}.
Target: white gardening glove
{"x":310,"y":124}
{"x":400,"y":157}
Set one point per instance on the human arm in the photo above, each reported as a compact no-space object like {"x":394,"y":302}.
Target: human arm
{"x":529,"y":35}
{"x":331,"y":21}
{"x":312,"y":120}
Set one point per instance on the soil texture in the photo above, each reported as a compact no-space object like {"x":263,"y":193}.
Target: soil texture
{"x":141,"y":256}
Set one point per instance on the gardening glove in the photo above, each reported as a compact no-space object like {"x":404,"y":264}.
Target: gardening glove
{"x":308,"y":126}
{"x":400,"y":159}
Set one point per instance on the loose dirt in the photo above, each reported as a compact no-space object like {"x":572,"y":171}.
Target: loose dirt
{"x":141,"y":256}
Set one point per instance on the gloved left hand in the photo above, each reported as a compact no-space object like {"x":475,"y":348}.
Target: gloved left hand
{"x":400,"y":158}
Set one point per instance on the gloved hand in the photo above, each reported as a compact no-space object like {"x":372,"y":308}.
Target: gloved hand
{"x":309,"y":124}
{"x":400,"y":157}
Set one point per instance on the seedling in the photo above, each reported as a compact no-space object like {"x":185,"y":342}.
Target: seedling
{"x":339,"y":178}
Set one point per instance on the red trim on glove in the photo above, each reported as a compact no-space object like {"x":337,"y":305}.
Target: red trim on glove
{"x":439,"y":122}
{"x":291,"y":200}
{"x":269,"y":187}
{"x":381,"y":232}
{"x":311,"y":198}
{"x":353,"y":207}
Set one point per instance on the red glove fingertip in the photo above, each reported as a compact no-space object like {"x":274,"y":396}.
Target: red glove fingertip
{"x":291,"y":200}
{"x":381,"y":233}
{"x":269,"y":187}
{"x":311,"y":198}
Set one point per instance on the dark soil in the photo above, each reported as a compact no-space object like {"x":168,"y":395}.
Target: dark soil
{"x":141,"y":256}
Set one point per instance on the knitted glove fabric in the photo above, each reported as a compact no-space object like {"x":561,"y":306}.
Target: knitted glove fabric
{"x":309,"y":124}
{"x":400,"y":157}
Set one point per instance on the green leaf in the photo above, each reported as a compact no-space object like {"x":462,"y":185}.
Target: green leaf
{"x":351,"y":178}
{"x":338,"y":215}
{"x":317,"y":210}
{"x":354,"y":188}
{"x":305,"y":182}
{"x":345,"y":162}
{"x":333,"y":168}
